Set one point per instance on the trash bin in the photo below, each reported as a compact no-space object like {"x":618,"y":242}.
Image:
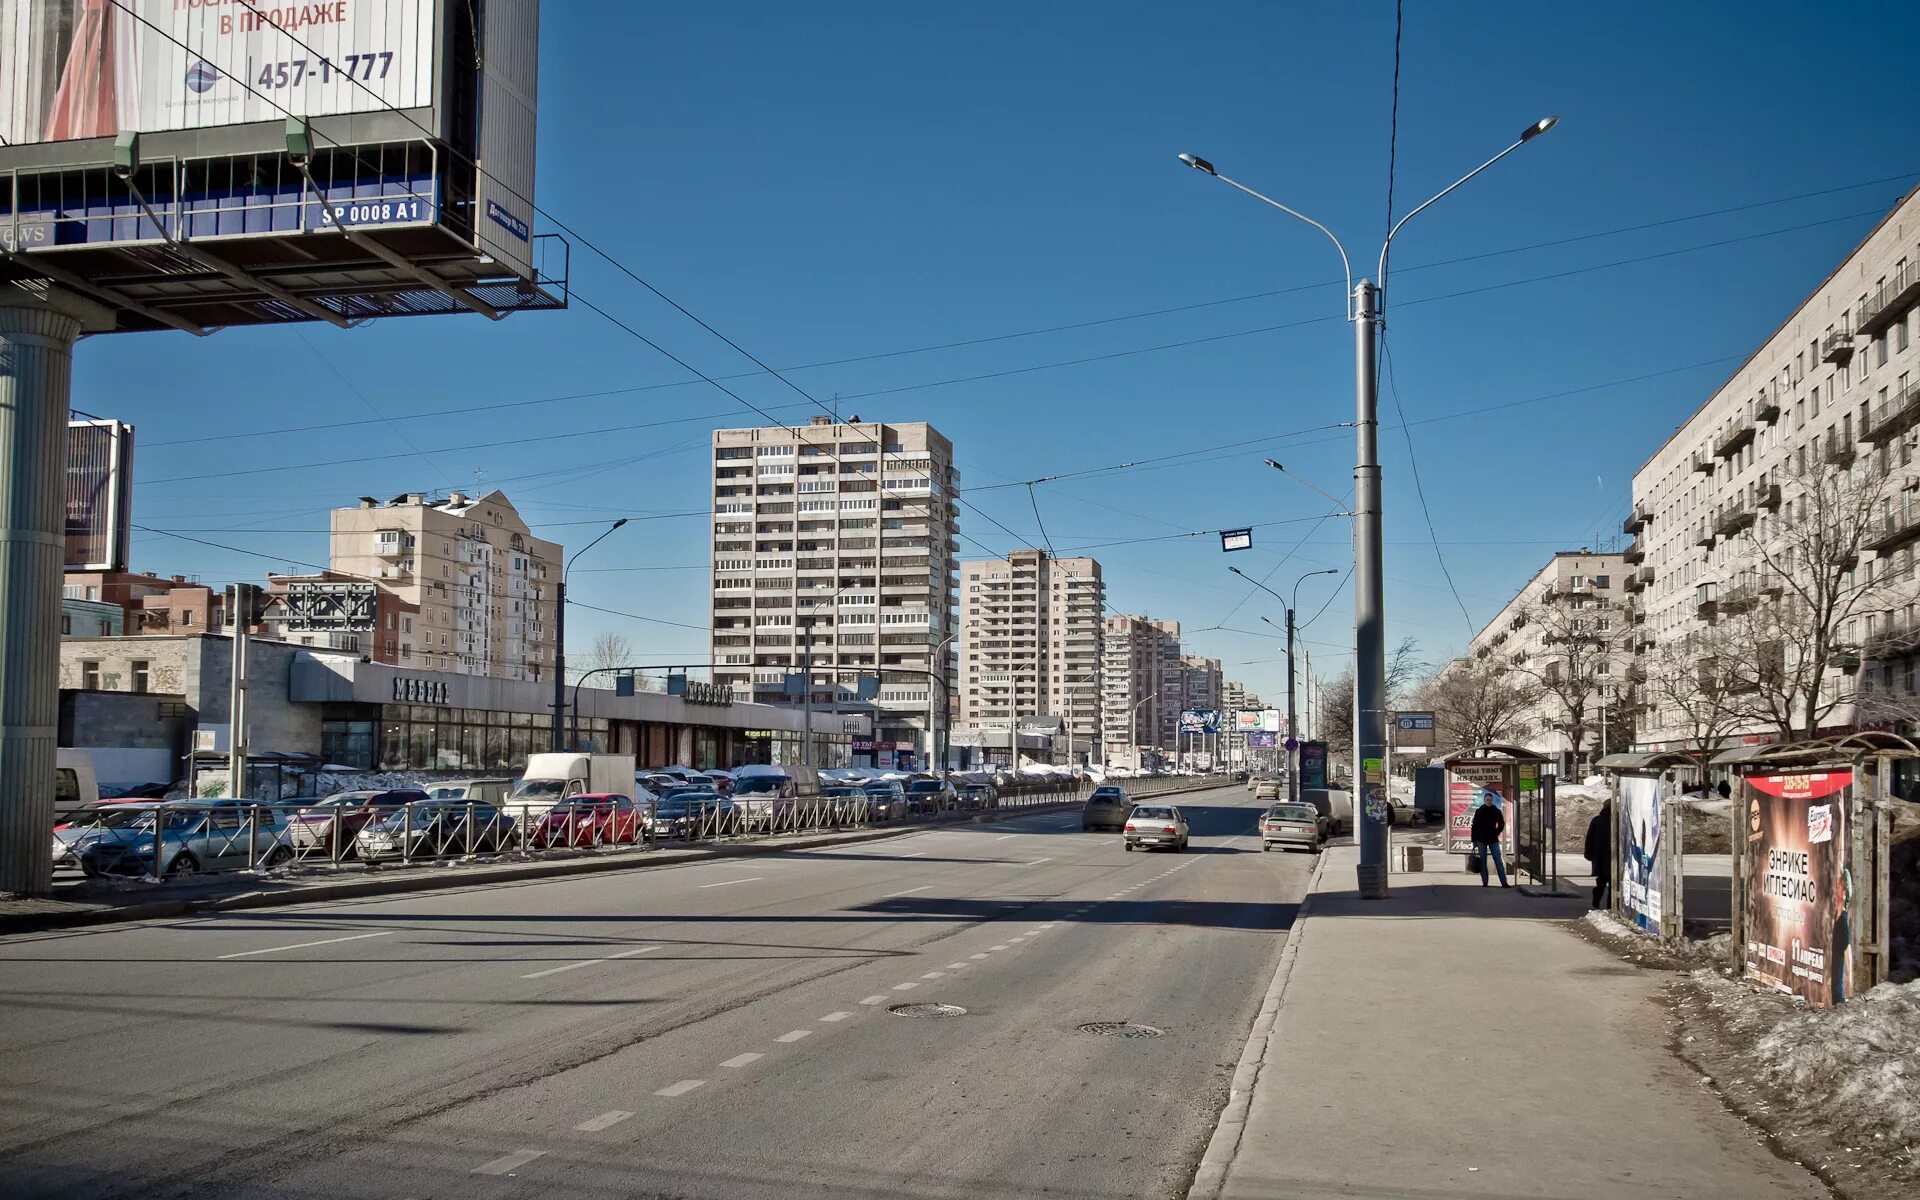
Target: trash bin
{"x":1416,"y":857}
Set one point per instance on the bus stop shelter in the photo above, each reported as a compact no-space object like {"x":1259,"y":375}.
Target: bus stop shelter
{"x":1511,"y":779}
{"x":1646,"y":855}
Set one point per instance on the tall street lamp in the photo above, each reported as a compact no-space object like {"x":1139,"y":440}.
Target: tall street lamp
{"x":1293,"y":734}
{"x":1366,"y":310}
{"x":560,"y":635}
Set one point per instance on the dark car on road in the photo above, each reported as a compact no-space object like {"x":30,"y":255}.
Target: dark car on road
{"x":842,"y":805}
{"x":886,"y":799}
{"x":931,"y":796}
{"x":1106,"y":808}
{"x":976,"y":797}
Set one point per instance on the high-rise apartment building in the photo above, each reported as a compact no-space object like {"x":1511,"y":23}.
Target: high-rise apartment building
{"x":1201,"y":682}
{"x":484,"y":585}
{"x":1030,"y":642}
{"x":837,"y":540}
{"x":1142,"y":685}
{"x":1814,"y":429}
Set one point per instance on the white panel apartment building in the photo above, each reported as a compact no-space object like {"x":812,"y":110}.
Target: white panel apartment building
{"x":841,"y":534}
{"x":1835,"y":383}
{"x":483,"y":582}
{"x":1579,"y":594}
{"x":1030,"y":642}
{"x":1141,"y":685}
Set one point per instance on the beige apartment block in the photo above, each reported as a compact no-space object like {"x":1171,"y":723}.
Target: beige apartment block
{"x":483,"y":583}
{"x":837,"y":538}
{"x":1835,"y":385}
{"x":1030,"y":641}
{"x":1142,"y":686}
{"x":1568,"y":633}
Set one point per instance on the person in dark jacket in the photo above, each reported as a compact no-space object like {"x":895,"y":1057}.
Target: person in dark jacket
{"x":1599,"y":852}
{"x":1488,"y":824}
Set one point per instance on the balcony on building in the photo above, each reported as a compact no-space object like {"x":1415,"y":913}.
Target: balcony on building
{"x":1768,"y":409}
{"x":1895,"y":638}
{"x":1838,"y":450}
{"x":1703,"y":536}
{"x":1893,"y":418}
{"x":1706,"y":603}
{"x":1767,"y":496}
{"x":1567,"y":591}
{"x":1637,"y":519}
{"x":1890,"y":303}
{"x":1635,"y":552}
{"x":1747,"y":591}
{"x":1894,"y":527}
{"x":1734,"y":517}
{"x":1702,"y":462}
{"x":1837,"y":347}
{"x":1643,"y":641}
{"x":1734,"y":438}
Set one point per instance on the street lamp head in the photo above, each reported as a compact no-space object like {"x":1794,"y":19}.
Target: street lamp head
{"x":619,"y":523}
{"x":1276,"y":466}
{"x":1539,"y":127}
{"x":1198,"y":163}
{"x":1238,"y":571}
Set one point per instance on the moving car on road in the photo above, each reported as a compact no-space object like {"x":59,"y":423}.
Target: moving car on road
{"x":1293,"y":825}
{"x":931,"y":796}
{"x":1270,"y":789}
{"x":976,"y":797}
{"x":1155,"y":825}
{"x":1106,"y":808}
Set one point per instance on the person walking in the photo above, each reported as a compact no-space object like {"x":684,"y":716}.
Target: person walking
{"x":1488,"y":824}
{"x":1599,"y":852}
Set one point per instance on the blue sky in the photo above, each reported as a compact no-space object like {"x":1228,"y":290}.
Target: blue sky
{"x":840,"y":180}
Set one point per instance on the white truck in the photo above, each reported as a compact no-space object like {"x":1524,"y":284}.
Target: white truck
{"x":551,"y":778}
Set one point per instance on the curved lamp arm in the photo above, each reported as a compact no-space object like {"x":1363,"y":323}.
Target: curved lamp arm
{"x":1532,"y":131}
{"x":1201,"y":164}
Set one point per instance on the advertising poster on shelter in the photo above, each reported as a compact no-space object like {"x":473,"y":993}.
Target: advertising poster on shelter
{"x":1469,"y":785}
{"x":1313,"y":764}
{"x":1638,"y":842}
{"x":1799,"y":936}
{"x":72,"y":69}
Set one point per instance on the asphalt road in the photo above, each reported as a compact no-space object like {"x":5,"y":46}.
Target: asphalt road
{"x":723,"y":1029}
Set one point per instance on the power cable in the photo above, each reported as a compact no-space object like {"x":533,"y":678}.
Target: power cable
{"x":1393,"y":128}
{"x":1419,"y":489}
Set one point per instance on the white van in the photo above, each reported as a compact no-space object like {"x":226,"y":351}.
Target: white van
{"x":480,"y":791}
{"x":766,"y":794}
{"x":74,"y":786}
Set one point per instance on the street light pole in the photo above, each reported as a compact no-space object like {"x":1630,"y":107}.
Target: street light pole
{"x":1292,"y":601}
{"x":1365,"y":308}
{"x":560,"y":639}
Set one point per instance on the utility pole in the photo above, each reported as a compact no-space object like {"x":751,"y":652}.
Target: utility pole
{"x":237,"y":607}
{"x":1292,"y":746}
{"x":806,"y":697}
{"x":1369,"y":603}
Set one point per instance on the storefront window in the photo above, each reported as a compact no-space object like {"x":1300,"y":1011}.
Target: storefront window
{"x":349,"y":743}
{"x":393,"y":746}
{"x":519,"y":745}
{"x":498,"y":756}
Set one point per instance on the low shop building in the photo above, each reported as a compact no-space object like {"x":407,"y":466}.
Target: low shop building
{"x":374,"y":716}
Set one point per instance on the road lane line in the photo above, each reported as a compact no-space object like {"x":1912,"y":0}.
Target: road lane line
{"x":880,"y":999}
{"x":303,"y":945}
{"x":911,"y":891}
{"x":957,"y":966}
{"x":905,"y":987}
{"x":741,"y":1060}
{"x":1003,"y":837}
{"x":575,"y":966}
{"x":1018,"y":937}
{"x":976,"y":957}
{"x":731,"y":882}
{"x":934,"y":975}
{"x":681,"y":1088}
{"x":795,"y":1036}
{"x":836,"y":1016}
{"x":508,"y":1163}
{"x":606,"y":1120}
{"x":915,"y":854}
{"x":990,"y":949}
{"x":1036,"y":862}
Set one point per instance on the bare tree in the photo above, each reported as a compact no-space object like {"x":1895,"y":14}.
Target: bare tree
{"x":1477,"y":703}
{"x":1796,"y":619}
{"x":610,"y":651}
{"x":1581,"y":635}
{"x":1693,"y":686}
{"x":1336,"y":702}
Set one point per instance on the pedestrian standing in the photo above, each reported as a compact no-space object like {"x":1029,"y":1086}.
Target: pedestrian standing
{"x":1488,"y":824}
{"x":1599,"y":852}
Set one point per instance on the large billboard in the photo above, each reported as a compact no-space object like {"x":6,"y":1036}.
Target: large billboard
{"x":72,"y":69}
{"x":1247,"y":720}
{"x":1199,"y":720}
{"x":1260,"y":739}
{"x":1638,"y":838}
{"x":99,"y":495}
{"x":1798,"y":933}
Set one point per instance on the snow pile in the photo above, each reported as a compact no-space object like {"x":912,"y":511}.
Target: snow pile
{"x":1633,"y":944}
{"x":1855,"y":1068}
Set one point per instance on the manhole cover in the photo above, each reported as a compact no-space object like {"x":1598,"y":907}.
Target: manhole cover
{"x":1124,"y":1029}
{"x":927,"y":1010}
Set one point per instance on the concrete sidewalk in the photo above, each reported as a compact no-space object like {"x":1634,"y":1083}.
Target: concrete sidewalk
{"x":1456,"y":1041}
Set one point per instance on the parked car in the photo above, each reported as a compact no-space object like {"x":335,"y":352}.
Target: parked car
{"x":312,"y":829}
{"x":975,"y":797}
{"x":691,"y":813}
{"x":931,"y":796}
{"x":194,"y":836}
{"x":886,"y":800}
{"x":722,"y":781}
{"x":842,"y":804}
{"x":1293,"y":825}
{"x":590,"y":819}
{"x":436,"y":829}
{"x":1106,"y":808}
{"x":490,"y":791}
{"x":104,"y":820}
{"x":1155,"y":825}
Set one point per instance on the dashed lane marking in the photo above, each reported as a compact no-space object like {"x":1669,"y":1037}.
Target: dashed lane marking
{"x":353,"y":937}
{"x":976,"y":957}
{"x":911,"y":891}
{"x":915,"y":854}
{"x":959,"y":966}
{"x":575,"y":966}
{"x":991,"y":949}
{"x":795,"y":1035}
{"x":741,"y":1060}
{"x":880,"y":999}
{"x":731,"y":882}
{"x":905,"y":987}
{"x":836,"y":1016}
{"x":934,"y":975}
{"x":606,"y":1120}
{"x":506,"y":1164}
{"x":681,"y":1088}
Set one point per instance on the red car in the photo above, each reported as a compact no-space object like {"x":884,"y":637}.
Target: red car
{"x":591,"y":819}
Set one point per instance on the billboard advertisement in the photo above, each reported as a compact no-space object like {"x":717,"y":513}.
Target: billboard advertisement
{"x":1469,"y":785}
{"x":1798,"y":934}
{"x":1259,"y":739}
{"x":1313,"y":764}
{"x":99,"y":492}
{"x":72,"y":69}
{"x":1270,"y":720}
{"x":1199,"y":720}
{"x":1246,"y":720}
{"x":1638,"y":839}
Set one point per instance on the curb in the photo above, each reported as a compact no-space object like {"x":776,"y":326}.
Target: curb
{"x":1224,"y":1145}
{"x":430,"y":880}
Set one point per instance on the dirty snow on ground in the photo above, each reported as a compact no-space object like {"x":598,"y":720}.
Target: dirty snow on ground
{"x":1852,"y":1071}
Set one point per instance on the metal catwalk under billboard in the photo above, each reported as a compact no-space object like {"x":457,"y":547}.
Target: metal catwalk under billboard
{"x":72,"y":69}
{"x":1798,"y":932}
